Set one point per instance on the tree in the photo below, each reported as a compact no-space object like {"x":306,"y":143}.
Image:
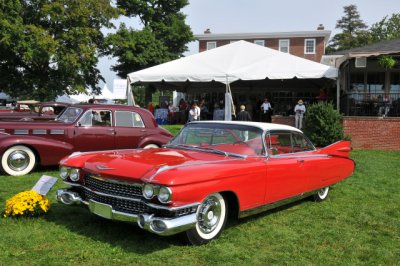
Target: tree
{"x":48,"y":48}
{"x":386,"y":29}
{"x":354,"y":33}
{"x":163,"y":37}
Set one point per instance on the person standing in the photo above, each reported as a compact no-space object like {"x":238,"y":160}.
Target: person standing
{"x":194,"y":113}
{"x":266,"y":111}
{"x":243,"y":115}
{"x":299,"y":111}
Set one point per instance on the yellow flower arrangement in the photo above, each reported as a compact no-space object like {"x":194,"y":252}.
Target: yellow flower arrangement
{"x":27,"y":203}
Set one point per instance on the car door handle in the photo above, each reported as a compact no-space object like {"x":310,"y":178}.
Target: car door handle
{"x":143,"y":130}
{"x":300,"y":160}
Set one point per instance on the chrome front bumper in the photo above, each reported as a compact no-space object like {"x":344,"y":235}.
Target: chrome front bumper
{"x":158,"y":225}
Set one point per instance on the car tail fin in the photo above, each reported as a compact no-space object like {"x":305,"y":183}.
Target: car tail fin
{"x":340,"y":148}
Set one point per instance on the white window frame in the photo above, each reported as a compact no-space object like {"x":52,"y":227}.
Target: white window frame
{"x":211,"y":45}
{"x":281,"y":46}
{"x":305,"y":46}
{"x":260,"y":42}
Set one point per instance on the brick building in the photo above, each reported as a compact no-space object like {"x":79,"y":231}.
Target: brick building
{"x":306,"y":44}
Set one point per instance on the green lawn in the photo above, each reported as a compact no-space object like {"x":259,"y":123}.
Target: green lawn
{"x":358,"y":224}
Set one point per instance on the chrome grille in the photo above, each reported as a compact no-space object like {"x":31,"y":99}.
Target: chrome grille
{"x":122,"y":205}
{"x":113,"y":188}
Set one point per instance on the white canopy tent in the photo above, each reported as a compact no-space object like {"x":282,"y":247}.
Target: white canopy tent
{"x":240,"y":60}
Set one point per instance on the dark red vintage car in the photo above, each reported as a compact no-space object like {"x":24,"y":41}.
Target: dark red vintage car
{"x":23,"y":144}
{"x":33,"y":110}
{"x":208,"y":170}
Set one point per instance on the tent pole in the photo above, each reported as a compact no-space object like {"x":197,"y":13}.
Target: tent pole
{"x":129,"y":93}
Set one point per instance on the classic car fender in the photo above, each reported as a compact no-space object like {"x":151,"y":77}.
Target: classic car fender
{"x":194,"y":183}
{"x":49,"y":151}
{"x":159,"y":140}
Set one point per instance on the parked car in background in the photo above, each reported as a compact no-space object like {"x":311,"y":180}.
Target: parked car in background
{"x":209,"y":170}
{"x":33,"y":110}
{"x":24,"y":144}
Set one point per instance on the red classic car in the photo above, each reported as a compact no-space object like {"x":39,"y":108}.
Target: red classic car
{"x":23,"y":144}
{"x":33,"y":110}
{"x":210,"y":169}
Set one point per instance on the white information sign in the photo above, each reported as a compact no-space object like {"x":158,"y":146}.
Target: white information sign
{"x":44,"y":184}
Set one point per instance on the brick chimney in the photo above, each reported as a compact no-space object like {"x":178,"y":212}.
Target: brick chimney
{"x":207,"y":31}
{"x":321,"y":27}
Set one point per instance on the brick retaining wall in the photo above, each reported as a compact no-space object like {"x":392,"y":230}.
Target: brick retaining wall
{"x":373,"y":133}
{"x":369,"y":133}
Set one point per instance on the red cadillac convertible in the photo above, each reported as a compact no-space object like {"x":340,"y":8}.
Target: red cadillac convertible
{"x":24,"y":144}
{"x":210,"y":169}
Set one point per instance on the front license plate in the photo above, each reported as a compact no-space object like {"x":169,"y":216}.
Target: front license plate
{"x":101,"y":209}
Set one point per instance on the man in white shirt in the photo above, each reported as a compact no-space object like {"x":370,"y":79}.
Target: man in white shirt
{"x":194,"y":113}
{"x":299,"y":111}
{"x":266,"y":111}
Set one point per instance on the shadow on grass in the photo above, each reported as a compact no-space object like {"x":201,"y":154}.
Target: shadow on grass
{"x":128,"y":236}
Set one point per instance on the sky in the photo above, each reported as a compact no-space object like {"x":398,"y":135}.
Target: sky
{"x":245,"y":16}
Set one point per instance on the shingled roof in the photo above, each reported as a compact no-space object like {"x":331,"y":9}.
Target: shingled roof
{"x":375,"y":49}
{"x":383,"y":47}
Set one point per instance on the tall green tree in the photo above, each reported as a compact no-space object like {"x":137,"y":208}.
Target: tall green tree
{"x":354,"y":33}
{"x":48,"y":48}
{"x":386,"y":29}
{"x":163,"y":37}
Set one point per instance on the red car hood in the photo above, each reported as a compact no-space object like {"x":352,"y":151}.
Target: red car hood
{"x":143,"y":164}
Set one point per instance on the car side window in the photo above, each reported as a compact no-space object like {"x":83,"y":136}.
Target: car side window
{"x":96,"y":118}
{"x":128,"y":119}
{"x":279,"y":143}
{"x":300,"y":143}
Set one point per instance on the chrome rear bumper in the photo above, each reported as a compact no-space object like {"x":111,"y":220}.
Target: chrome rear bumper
{"x":157,"y":225}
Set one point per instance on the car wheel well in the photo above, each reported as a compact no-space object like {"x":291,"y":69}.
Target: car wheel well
{"x":233,"y":204}
{"x":32,"y":149}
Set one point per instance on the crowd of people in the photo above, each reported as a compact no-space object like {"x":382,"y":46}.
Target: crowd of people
{"x":262,"y":111}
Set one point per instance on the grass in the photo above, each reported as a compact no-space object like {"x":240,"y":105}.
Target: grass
{"x":359,"y":224}
{"x":174,"y":129}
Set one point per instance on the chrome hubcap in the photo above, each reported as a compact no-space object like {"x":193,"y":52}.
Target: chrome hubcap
{"x":18,"y":160}
{"x":209,"y":215}
{"x":322,"y":192}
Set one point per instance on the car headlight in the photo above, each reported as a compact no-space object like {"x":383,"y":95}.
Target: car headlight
{"x":74,"y":175}
{"x":164,"y":195}
{"x":148,"y":191}
{"x":64,"y":172}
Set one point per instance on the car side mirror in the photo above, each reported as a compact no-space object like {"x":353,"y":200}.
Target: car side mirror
{"x":78,"y":124}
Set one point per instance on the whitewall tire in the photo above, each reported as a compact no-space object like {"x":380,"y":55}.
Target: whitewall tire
{"x":211,"y":219}
{"x":322,"y":194}
{"x":150,"y":146}
{"x":18,"y":160}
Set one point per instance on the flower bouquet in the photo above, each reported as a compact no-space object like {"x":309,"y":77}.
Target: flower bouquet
{"x":26,"y":204}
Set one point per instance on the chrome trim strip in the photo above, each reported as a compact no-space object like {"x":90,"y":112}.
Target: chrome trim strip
{"x":276,"y":204}
{"x":39,"y":132}
{"x":57,"y":132}
{"x":152,"y":205}
{"x":115,"y":181}
{"x":294,"y":155}
{"x":21,"y":131}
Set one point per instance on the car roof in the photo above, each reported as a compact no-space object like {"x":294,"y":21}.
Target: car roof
{"x":263,"y":126}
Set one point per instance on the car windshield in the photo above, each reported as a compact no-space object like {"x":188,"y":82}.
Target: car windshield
{"x":69,"y":115}
{"x":220,"y":138}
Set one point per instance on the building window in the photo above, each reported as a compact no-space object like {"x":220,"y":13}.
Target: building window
{"x":309,"y":46}
{"x":259,"y":42}
{"x":284,"y":46}
{"x":211,"y":45}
